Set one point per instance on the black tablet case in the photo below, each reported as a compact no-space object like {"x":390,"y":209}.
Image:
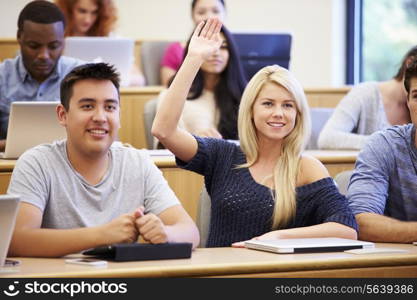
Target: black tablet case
{"x":136,"y":251}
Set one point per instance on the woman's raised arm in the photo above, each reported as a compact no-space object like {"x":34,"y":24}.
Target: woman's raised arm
{"x":205,"y":41}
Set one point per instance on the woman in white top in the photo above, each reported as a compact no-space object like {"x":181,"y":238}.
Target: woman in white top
{"x":368,"y":107}
{"x":213,"y":101}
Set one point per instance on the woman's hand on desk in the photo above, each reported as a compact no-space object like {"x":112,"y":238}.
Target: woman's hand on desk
{"x":328,"y":229}
{"x":272,"y":235}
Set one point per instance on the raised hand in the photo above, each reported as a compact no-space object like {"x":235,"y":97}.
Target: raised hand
{"x":204,"y":43}
{"x":206,"y":39}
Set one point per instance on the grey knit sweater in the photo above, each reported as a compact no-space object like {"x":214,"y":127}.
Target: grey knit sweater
{"x":359,"y":114}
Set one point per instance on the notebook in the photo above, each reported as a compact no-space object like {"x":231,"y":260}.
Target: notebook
{"x":112,"y":50}
{"x":307,"y":245}
{"x":31,"y":124}
{"x":8,"y":212}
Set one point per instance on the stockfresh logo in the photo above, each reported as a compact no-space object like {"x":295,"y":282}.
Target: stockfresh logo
{"x":12,"y":290}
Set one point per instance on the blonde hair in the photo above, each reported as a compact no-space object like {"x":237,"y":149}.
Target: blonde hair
{"x":287,"y":167}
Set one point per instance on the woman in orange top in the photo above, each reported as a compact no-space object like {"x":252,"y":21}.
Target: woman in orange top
{"x":94,"y":18}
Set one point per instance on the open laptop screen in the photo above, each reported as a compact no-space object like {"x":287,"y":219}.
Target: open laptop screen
{"x":113,"y":50}
{"x":31,"y":124}
{"x":8,"y":212}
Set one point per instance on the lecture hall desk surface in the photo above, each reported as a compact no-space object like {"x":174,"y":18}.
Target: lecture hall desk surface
{"x":235,"y":262}
{"x":334,"y":160}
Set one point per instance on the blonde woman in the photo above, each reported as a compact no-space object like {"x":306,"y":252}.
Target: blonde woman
{"x":264,"y":188}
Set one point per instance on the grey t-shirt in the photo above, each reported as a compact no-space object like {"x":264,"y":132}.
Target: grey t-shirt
{"x":44,"y":177}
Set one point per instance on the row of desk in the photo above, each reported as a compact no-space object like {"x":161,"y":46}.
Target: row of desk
{"x":235,"y":262}
{"x":187,"y":185}
{"x":133,"y":102}
{"x":229,"y":262}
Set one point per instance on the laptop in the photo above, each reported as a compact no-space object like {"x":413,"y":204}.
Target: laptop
{"x":8,"y":212}
{"x":31,"y":124}
{"x":116,"y":51}
{"x":307,"y":245}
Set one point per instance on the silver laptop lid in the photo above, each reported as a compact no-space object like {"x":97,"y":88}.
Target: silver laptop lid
{"x":8,"y":212}
{"x":116,"y":51}
{"x":31,"y":124}
{"x":307,"y":245}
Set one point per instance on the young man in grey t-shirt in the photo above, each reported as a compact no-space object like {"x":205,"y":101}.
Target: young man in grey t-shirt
{"x":87,"y":191}
{"x":382,"y":189}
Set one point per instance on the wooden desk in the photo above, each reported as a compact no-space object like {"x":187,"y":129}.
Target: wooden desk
{"x":325,"y":97}
{"x":233,"y":262}
{"x":134,"y":99}
{"x":6,"y":169}
{"x":8,"y":48}
{"x":335,"y":161}
{"x":187,"y":185}
{"x":132,"y":103}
